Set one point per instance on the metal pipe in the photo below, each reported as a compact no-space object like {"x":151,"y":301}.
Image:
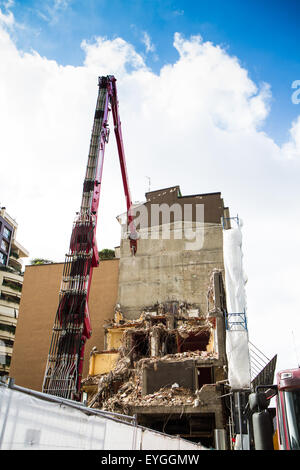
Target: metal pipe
{"x":240,"y":418}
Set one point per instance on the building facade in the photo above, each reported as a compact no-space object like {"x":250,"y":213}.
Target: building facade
{"x":180,"y":243}
{"x":159,"y":319}
{"x":165,"y":357}
{"x":11,"y":282}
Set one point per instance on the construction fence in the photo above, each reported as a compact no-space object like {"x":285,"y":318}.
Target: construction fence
{"x":36,"y":421}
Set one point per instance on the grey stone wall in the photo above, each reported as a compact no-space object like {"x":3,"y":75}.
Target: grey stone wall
{"x":168,"y":269}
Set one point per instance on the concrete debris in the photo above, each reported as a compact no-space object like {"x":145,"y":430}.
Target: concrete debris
{"x":168,"y":367}
{"x":216,"y":296}
{"x":164,"y":334}
{"x":180,"y":357}
{"x":177,"y":396}
{"x":121,"y":388}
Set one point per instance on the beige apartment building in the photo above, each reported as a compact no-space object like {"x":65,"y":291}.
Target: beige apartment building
{"x":11,"y":282}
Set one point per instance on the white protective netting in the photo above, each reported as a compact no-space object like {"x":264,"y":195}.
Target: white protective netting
{"x":237,"y":348}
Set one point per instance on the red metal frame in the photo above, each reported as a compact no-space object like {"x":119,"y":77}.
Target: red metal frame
{"x":66,"y":345}
{"x":119,"y":139}
{"x":112,"y":100}
{"x":288,"y":379}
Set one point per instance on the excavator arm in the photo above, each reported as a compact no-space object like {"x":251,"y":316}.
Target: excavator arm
{"x":72,"y":325}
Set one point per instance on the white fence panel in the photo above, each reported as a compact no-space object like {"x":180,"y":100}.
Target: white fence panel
{"x":33,"y":421}
{"x":119,"y":436}
{"x":152,"y":440}
{"x":27,"y":422}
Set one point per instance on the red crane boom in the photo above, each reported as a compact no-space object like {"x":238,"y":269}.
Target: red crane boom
{"x":72,"y":325}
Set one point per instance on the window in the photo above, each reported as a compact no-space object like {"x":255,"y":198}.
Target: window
{"x":3,"y":258}
{"x":12,"y":284}
{"x":194,"y":341}
{"x":10,"y":297}
{"x":204,"y":376}
{"x":7,"y":360}
{"x":6,"y":233}
{"x":292,"y":405}
{"x":8,"y":328}
{"x":8,"y":343}
{"x":4,"y":246}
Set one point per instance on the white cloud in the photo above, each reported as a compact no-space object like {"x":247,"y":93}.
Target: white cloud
{"x":146,"y":39}
{"x":61,"y":4}
{"x":51,"y":10}
{"x":8,"y":4}
{"x":115,"y":55}
{"x":198,"y":123}
{"x":7,"y":19}
{"x":178,"y":12}
{"x":291,"y":149}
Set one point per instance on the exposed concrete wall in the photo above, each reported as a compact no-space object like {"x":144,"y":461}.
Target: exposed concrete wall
{"x":37,"y":313}
{"x":165,"y":270}
{"x":165,"y":374}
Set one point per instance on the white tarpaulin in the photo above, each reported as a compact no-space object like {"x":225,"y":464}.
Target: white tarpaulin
{"x":237,"y":348}
{"x":34,"y":423}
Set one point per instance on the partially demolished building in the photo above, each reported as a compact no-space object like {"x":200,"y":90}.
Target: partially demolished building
{"x":164,"y":355}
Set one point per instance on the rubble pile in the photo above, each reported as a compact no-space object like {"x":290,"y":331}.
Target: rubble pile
{"x":121,"y":388}
{"x":130,"y":395}
{"x":160,"y":312}
{"x":179,"y":357}
{"x":170,"y":367}
{"x":158,"y":335}
{"x":186,"y":329}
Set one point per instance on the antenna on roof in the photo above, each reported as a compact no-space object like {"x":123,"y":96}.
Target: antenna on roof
{"x":149,"y":182}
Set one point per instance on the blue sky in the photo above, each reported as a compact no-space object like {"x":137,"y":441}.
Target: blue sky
{"x":265,"y":36}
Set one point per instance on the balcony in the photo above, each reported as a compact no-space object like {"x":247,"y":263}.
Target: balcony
{"x":5,"y":334}
{"x":8,"y":310}
{"x":5,"y":350}
{"x":5,"y":363}
{"x":18,"y":249}
{"x":8,"y":297}
{"x":14,"y":263}
{"x":11,"y":285}
{"x":10,"y":288}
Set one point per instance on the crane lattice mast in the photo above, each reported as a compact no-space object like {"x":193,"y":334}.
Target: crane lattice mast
{"x":72,"y":325}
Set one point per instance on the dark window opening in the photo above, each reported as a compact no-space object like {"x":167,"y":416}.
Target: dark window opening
{"x":204,"y":376}
{"x":12,"y":284}
{"x":5,"y":360}
{"x":10,"y":298}
{"x":140,"y":345}
{"x":194,"y":342}
{"x":196,"y":428}
{"x":7,"y":342}
{"x":157,"y":320}
{"x":170,"y":344}
{"x":6,"y":233}
{"x":8,"y":328}
{"x":3,"y":258}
